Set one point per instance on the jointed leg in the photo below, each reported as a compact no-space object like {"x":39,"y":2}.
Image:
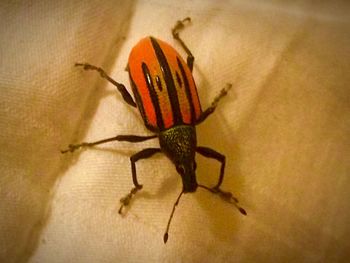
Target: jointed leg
{"x":146,"y":153}
{"x":175,"y":31}
{"x":210,"y":153}
{"x":215,"y":102}
{"x":127,"y":138}
{"x":121,"y":88}
{"x":227,"y":196}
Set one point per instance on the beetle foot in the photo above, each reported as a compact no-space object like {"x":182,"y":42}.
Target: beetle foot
{"x":86,"y":66}
{"x":125,"y":201}
{"x":73,"y":147}
{"x":222,"y":94}
{"x":228,"y":197}
{"x":180,"y":24}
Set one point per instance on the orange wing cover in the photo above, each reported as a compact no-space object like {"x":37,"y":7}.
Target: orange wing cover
{"x":163,"y":85}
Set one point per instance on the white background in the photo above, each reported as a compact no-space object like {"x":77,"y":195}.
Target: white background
{"x":284,"y":128}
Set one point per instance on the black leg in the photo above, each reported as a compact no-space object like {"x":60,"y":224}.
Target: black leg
{"x":175,"y":31}
{"x":121,"y":88}
{"x":213,"y":105}
{"x":210,"y":153}
{"x":227,"y":196}
{"x":127,"y":138}
{"x":145,"y":153}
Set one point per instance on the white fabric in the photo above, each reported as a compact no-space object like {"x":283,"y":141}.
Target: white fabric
{"x":284,"y":128}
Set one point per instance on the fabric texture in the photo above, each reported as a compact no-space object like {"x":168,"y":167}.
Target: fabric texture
{"x":284,"y":129}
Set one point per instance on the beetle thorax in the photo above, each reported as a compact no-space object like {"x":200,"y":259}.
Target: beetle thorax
{"x":179,"y":143}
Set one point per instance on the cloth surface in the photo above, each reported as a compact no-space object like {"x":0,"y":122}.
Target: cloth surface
{"x":284,"y":128}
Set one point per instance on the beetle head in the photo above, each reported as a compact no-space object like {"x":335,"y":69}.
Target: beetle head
{"x":179,"y":144}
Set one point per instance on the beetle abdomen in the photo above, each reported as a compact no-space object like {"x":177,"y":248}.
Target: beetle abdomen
{"x":163,"y":85}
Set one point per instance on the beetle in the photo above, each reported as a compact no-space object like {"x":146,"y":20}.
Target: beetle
{"x":166,"y":95}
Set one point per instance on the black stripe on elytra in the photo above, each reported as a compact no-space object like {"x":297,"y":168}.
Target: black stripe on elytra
{"x":153,"y":95}
{"x":178,"y":79}
{"x":140,"y":105}
{"x":168,"y":78}
{"x":159,"y":83}
{"x":187,"y":89}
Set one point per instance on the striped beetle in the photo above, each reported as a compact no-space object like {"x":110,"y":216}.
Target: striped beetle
{"x":166,"y":95}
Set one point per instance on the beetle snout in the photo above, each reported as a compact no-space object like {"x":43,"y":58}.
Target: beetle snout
{"x":187,"y":171}
{"x":189,"y":187}
{"x":189,"y":182}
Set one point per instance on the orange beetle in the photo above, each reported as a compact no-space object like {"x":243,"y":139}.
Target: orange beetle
{"x":166,"y":95}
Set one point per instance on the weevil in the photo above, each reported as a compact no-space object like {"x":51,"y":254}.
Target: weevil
{"x":166,"y":95}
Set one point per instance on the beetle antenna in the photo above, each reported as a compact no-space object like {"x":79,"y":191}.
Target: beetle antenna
{"x":166,"y":235}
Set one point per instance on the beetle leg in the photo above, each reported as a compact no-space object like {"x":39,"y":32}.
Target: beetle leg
{"x":227,"y":196}
{"x":121,"y":88}
{"x":175,"y":31}
{"x":213,"y":105}
{"x":210,"y":153}
{"x":127,"y":138}
{"x":145,"y":153}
